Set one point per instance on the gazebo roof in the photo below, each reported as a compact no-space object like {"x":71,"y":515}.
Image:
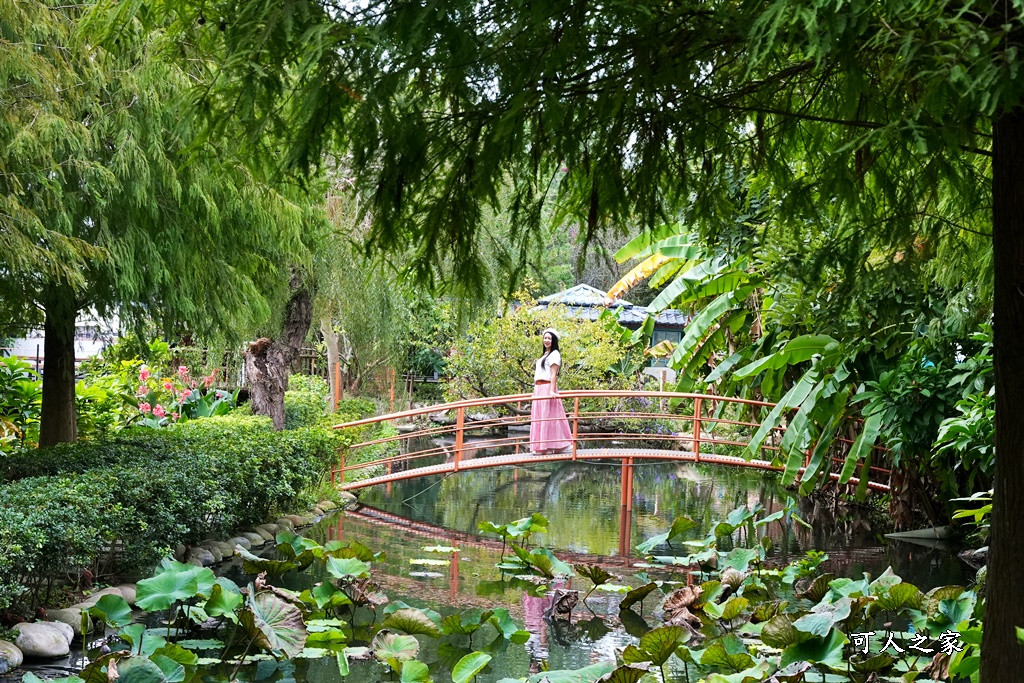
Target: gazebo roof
{"x":586,"y":302}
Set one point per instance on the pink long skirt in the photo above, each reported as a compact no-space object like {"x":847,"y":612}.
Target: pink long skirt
{"x":549,"y":428}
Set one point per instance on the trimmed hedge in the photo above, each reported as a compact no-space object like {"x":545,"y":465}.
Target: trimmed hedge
{"x":66,"y":508}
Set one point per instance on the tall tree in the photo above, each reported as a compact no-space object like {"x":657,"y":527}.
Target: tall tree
{"x":906,"y":114}
{"x":119,"y":209}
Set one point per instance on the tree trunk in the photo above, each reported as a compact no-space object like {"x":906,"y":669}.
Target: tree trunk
{"x":267,"y":371}
{"x":333,"y":357}
{"x":57,"y":420}
{"x":1002,"y":659}
{"x":268,"y":362}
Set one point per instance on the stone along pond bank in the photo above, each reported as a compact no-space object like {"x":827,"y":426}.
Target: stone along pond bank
{"x":53,"y":637}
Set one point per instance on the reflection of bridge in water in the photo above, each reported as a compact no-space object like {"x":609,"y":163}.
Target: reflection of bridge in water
{"x":597,"y":417}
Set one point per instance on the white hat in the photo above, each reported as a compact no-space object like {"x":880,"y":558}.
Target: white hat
{"x":553,"y":331}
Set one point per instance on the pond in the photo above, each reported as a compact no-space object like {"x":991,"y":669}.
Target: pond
{"x":582,"y":503}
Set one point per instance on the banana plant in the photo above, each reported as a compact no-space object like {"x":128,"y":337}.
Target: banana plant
{"x":810,"y":376}
{"x":715,"y":286}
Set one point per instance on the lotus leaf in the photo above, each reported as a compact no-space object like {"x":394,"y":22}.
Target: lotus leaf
{"x":354,"y":549}
{"x":754,"y":674}
{"x":637,"y":595}
{"x":169,"y":587}
{"x":469,"y":666}
{"x":739,"y":558}
{"x":655,"y":646}
{"x":901,"y":596}
{"x":597,"y":574}
{"x":429,"y":562}
{"x":254,"y":564}
{"x":224,"y":599}
{"x":413,"y":622}
{"x":502,"y":621}
{"x":879,"y":662}
{"x":274,"y":624}
{"x":393,"y":648}
{"x":343,"y":567}
{"x":818,"y":588}
{"x":823,"y":617}
{"x":817,"y":650}
{"x":780,"y":632}
{"x":142,"y":670}
{"x":325,"y":593}
{"x":465,"y":623}
{"x":884,"y":582}
{"x":728,"y":652}
{"x":112,"y":609}
{"x":414,"y":672}
{"x":588,"y":674}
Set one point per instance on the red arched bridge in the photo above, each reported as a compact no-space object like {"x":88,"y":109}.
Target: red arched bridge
{"x":628,"y":426}
{"x":606,"y":425}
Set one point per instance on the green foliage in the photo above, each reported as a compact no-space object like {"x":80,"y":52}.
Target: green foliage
{"x":304,"y":408}
{"x":149,"y":490}
{"x":497,"y":356}
{"x":21,"y":396}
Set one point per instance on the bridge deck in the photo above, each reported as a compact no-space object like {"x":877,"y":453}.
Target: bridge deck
{"x":581,"y":454}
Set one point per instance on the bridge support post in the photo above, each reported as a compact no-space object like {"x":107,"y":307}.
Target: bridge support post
{"x":460,"y":428}
{"x":575,"y":424}
{"x":626,"y":508}
{"x":697,"y":405}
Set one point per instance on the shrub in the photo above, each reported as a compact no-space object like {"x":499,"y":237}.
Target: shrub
{"x":118,"y":505}
{"x":303,"y":409}
{"x":352,"y":409}
{"x":310,"y":383}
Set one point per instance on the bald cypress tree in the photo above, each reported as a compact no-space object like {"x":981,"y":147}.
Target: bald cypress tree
{"x":119,"y":207}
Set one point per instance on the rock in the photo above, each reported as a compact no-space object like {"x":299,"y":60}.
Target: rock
{"x":179,"y":552}
{"x":347,"y":497}
{"x":42,"y":640}
{"x":10,"y":652}
{"x":274,"y":529}
{"x":285,"y":523}
{"x":255,"y":539}
{"x":128,"y":592}
{"x":327,"y":505}
{"x":262,"y":533}
{"x":240,"y":540}
{"x":204,"y":556}
{"x":66,"y":629}
{"x":193,"y":560}
{"x":226,"y":549}
{"x":298,"y":520}
{"x":317,"y":511}
{"x":214,"y":550}
{"x":72,"y":617}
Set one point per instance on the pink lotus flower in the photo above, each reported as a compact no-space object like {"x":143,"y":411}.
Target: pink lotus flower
{"x":159,"y":410}
{"x":169,"y":387}
{"x":144,"y":407}
{"x":144,"y":374}
{"x":182,"y":371}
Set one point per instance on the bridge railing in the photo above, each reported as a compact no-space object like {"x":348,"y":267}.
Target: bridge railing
{"x":700,"y":427}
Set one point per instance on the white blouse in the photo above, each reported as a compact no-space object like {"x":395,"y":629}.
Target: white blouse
{"x":544,"y":373}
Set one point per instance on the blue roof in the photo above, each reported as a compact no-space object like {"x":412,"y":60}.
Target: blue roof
{"x":586,"y":302}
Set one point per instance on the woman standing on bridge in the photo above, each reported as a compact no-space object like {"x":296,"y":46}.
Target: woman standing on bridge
{"x":549,"y":428}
